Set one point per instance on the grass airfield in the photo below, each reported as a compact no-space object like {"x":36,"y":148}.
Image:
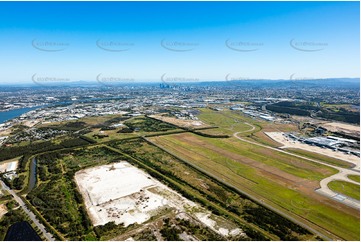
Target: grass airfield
{"x":284,"y":182}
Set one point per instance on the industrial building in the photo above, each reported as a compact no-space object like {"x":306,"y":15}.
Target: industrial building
{"x":331,"y":142}
{"x":323,"y":142}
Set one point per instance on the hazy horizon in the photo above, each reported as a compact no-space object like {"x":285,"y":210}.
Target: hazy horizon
{"x":203,"y":41}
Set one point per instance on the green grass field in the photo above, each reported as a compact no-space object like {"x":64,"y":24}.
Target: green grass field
{"x":355,"y":178}
{"x":230,"y":122}
{"x":326,"y":159}
{"x":145,"y":125}
{"x":269,"y":175}
{"x":112,"y":135}
{"x":277,"y":191}
{"x":346,"y":188}
{"x":169,"y":165}
{"x":227,"y":121}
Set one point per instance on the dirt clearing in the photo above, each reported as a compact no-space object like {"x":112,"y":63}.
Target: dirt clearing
{"x":181,"y":122}
{"x":122,"y":193}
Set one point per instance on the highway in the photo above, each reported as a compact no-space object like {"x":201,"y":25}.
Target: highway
{"x":31,"y":215}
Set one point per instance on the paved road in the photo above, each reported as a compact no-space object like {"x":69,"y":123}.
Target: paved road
{"x":32,"y":216}
{"x":324,"y":190}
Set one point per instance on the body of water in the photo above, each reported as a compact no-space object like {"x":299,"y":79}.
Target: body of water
{"x":22,"y":231}
{"x":32,"y":179}
{"x":7,"y":115}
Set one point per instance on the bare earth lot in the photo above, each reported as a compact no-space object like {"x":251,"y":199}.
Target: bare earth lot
{"x":331,"y":126}
{"x":3,"y":210}
{"x":336,"y":126}
{"x":125,"y":194}
{"x":10,"y":165}
{"x":181,"y":122}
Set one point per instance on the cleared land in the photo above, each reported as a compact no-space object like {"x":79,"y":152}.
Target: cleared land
{"x":119,"y":193}
{"x":246,"y":211}
{"x":346,"y":188}
{"x":107,"y":135}
{"x":331,"y":126}
{"x":56,"y":196}
{"x":122,"y":193}
{"x":181,"y":122}
{"x":3,"y":210}
{"x":336,"y":126}
{"x":280,"y":180}
{"x":58,"y":200}
{"x":10,"y":165}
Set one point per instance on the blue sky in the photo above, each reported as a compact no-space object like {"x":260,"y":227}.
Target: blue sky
{"x":184,"y":40}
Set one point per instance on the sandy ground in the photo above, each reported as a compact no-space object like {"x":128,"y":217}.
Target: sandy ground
{"x":125,"y":194}
{"x":1,"y":190}
{"x":5,"y":132}
{"x":104,"y":189}
{"x":30,"y":123}
{"x":8,"y":166}
{"x":118,"y":193}
{"x":181,"y":122}
{"x":332,"y":126}
{"x":205,"y":219}
{"x":3,"y":210}
{"x":288,"y":143}
{"x":335,"y":126}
